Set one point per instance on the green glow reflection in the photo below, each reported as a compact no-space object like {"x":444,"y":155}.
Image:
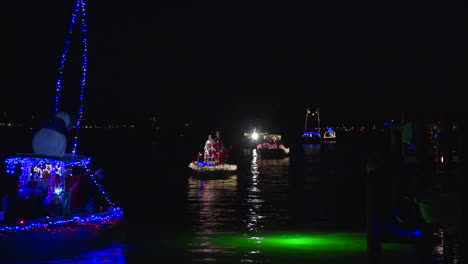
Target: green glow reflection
{"x":301,"y":241}
{"x":284,"y":247}
{"x":308,"y":241}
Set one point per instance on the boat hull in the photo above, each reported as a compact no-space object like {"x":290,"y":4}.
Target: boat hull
{"x":213,"y":170}
{"x":443,"y":209}
{"x":60,"y":242}
{"x":311,"y":140}
{"x":273,"y":153}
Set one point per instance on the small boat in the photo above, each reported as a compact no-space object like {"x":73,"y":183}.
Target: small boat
{"x":270,"y":146}
{"x":53,"y":199}
{"x":329,"y":135}
{"x":214,"y":163}
{"x":312,"y":136}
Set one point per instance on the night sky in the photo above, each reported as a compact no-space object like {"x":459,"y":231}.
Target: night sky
{"x":240,"y":59}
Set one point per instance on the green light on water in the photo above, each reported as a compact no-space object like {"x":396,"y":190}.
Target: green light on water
{"x":289,"y":247}
{"x":288,"y":241}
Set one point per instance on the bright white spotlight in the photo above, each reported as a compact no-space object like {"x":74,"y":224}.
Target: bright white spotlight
{"x":254,"y":135}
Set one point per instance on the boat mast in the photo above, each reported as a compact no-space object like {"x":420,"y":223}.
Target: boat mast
{"x":79,"y":10}
{"x":305,"y":123}
{"x":318,"y":119}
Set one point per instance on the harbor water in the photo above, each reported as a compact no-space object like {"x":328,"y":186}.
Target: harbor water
{"x":308,"y":207}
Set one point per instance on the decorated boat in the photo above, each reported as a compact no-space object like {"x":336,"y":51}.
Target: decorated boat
{"x":329,"y":135}
{"x":55,"y":199}
{"x":214,"y":160}
{"x":270,"y":146}
{"x":312,"y":135}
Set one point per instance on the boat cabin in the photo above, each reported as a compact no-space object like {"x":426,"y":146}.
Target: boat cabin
{"x":262,"y":137}
{"x":311,"y":135}
{"x":329,"y":134}
{"x":45,"y":185}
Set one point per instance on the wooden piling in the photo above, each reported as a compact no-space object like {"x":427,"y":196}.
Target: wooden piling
{"x":374,"y":240}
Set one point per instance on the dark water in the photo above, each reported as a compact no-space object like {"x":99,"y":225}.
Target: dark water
{"x":305,"y":208}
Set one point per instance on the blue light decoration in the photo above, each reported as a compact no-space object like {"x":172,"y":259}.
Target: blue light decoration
{"x":37,"y":168}
{"x":96,"y":221}
{"x":397,"y":227}
{"x":79,"y":10}
{"x":33,"y":168}
{"x":416,"y":232}
{"x":311,"y":133}
{"x":205,"y":163}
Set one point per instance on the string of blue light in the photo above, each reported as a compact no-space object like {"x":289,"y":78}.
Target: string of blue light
{"x":111,"y":216}
{"x":83,"y":77}
{"x":79,"y":9}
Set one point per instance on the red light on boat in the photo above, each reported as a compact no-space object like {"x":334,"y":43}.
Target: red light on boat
{"x":21,"y":222}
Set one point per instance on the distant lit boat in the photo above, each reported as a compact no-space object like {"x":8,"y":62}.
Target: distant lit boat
{"x":250,"y":141}
{"x":311,"y":136}
{"x":329,"y":135}
{"x":214,"y":161}
{"x":269,"y":146}
{"x":57,"y":200}
{"x":314,"y":136}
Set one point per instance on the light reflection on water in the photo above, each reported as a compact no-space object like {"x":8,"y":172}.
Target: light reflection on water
{"x":241,"y":218}
{"x":114,"y":254}
{"x":211,"y":214}
{"x":254,"y":217}
{"x":271,"y":213}
{"x":257,"y":197}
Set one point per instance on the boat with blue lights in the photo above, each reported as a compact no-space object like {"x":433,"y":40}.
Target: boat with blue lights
{"x":52,"y":200}
{"x":214,"y":159}
{"x":312,"y":136}
{"x":55,"y":199}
